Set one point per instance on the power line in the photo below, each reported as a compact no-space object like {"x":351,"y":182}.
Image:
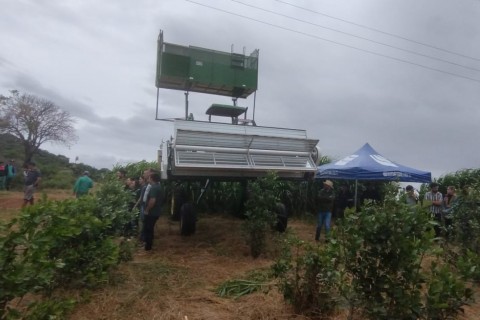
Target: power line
{"x":334,"y":42}
{"x":379,"y":31}
{"x":359,"y":37}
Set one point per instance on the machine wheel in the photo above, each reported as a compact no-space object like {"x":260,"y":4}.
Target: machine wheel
{"x":174,"y":208}
{"x":282,"y":217}
{"x":188,"y":219}
{"x":179,"y":197}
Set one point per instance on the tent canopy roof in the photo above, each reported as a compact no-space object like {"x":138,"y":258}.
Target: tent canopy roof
{"x":368,"y":164}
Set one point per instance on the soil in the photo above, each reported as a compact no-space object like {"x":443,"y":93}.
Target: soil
{"x":14,"y":199}
{"x":178,"y":279}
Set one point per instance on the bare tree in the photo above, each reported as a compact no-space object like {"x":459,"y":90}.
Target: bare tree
{"x":34,"y":121}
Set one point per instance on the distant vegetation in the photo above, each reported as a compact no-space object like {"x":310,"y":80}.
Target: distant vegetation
{"x":57,"y":171}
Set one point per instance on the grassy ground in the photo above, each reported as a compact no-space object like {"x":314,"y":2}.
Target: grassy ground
{"x":177,"y":281}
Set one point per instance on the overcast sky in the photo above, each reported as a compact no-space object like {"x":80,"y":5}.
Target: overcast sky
{"x":402,"y":75}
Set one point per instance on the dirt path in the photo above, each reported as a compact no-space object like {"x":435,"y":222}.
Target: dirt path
{"x":14,"y":199}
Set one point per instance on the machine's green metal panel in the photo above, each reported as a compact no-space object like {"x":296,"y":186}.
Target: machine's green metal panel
{"x":175,"y":66}
{"x":206,"y":71}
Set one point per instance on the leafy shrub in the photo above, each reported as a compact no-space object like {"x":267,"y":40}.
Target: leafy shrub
{"x":49,"y":309}
{"x":466,"y":220}
{"x":126,"y":248}
{"x":113,"y":199}
{"x":373,"y":264}
{"x":383,"y":248}
{"x":446,"y":294}
{"x":260,"y":215}
{"x":308,"y":278}
{"x":61,"y":244}
{"x":468,"y":264}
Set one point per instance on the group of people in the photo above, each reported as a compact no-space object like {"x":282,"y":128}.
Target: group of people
{"x":7,"y":173}
{"x":148,"y":200}
{"x":441,"y":207}
{"x":147,"y":192}
{"x":32,"y":177}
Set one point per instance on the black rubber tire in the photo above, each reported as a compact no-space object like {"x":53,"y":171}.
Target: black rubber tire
{"x":282,"y":217}
{"x":188,"y":219}
{"x":179,"y":197}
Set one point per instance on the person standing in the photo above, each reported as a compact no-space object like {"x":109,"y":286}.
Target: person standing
{"x":11,"y":173}
{"x":33,"y":177}
{"x":152,"y":209}
{"x":143,"y":201}
{"x":411,"y":196}
{"x":325,"y":198}
{"x":435,"y":200}
{"x":83,"y":185}
{"x":448,"y":206}
{"x":3,"y":175}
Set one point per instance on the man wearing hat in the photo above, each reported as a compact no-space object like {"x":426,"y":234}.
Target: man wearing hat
{"x":434,"y":199}
{"x":324,"y":201}
{"x":82,"y":185}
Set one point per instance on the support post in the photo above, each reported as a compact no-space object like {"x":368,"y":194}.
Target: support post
{"x":186,"y":105}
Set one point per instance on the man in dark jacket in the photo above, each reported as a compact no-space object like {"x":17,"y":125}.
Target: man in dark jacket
{"x":32,"y":180}
{"x":325,"y":198}
{"x":153,"y":209}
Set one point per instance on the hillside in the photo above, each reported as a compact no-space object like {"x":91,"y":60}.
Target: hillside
{"x":57,"y":171}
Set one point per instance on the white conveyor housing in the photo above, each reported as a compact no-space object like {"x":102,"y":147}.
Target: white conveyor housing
{"x":222,"y":150}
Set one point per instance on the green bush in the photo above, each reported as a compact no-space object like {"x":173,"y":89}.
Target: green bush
{"x":308,"y":278}
{"x":446,"y":294}
{"x":466,"y":220}
{"x":373,"y":266}
{"x":113,"y":199}
{"x":260,"y":215}
{"x":61,"y":244}
{"x":382,"y":249}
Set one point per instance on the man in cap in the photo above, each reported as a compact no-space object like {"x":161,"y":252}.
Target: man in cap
{"x":82,"y":185}
{"x":434,"y":199}
{"x":324,"y":201}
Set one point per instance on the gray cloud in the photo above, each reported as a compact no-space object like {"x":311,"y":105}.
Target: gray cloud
{"x":97,"y":60}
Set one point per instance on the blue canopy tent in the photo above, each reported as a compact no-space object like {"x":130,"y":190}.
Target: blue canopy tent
{"x":368,"y":164}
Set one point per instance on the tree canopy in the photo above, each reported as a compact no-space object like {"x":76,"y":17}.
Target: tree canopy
{"x":35,"y":121}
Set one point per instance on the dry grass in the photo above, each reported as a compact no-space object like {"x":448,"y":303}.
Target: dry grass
{"x":177,"y":281}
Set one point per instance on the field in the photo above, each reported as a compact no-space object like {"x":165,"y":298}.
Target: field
{"x":177,"y":281}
